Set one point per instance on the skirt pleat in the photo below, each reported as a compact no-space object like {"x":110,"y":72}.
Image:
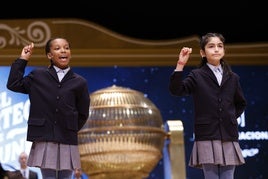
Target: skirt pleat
{"x":216,"y":152}
{"x":54,"y":156}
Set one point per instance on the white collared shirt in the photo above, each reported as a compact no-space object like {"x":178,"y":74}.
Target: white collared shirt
{"x":61,"y":72}
{"x":217,"y":70}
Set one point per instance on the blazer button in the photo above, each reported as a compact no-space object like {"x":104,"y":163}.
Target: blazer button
{"x":58,"y":97}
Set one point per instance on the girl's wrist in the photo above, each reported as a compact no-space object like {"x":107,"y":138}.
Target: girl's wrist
{"x":181,"y":63}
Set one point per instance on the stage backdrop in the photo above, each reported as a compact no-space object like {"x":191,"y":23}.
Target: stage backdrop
{"x":153,"y":82}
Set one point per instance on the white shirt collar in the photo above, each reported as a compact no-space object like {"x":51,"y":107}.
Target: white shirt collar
{"x":61,"y":70}
{"x":212,"y":67}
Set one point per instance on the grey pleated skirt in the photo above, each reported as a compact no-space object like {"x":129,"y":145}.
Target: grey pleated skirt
{"x":54,"y":156}
{"x":216,"y":152}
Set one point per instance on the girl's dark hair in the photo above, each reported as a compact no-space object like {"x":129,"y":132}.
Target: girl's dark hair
{"x":203,"y":42}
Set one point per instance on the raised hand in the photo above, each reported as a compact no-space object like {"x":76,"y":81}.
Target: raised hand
{"x":27,"y":51}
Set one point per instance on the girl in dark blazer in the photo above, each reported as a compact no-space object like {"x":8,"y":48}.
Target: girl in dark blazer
{"x":218,"y":102}
{"x":59,"y":108}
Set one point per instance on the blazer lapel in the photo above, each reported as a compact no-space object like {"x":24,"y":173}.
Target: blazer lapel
{"x":225,"y":77}
{"x":53,"y":72}
{"x":69,"y":74}
{"x":209,"y":73}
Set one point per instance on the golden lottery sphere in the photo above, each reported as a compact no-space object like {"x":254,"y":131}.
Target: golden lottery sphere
{"x":123,"y":137}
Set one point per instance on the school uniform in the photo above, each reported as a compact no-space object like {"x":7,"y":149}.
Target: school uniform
{"x":217,"y":107}
{"x":58,"y":110}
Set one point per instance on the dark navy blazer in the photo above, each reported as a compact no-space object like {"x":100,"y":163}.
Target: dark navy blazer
{"x":58,"y":110}
{"x":217,"y":107}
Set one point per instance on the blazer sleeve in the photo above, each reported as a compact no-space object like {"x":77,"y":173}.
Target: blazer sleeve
{"x":179,"y":86}
{"x":16,"y":81}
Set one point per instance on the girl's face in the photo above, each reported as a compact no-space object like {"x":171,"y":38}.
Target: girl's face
{"x":60,"y":53}
{"x":214,"y":51}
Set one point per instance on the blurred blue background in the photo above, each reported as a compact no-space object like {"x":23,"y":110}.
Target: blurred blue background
{"x":153,"y":82}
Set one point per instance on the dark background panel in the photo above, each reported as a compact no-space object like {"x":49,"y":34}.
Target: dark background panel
{"x":237,"y":21}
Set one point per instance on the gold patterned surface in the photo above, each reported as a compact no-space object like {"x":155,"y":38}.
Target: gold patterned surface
{"x":123,"y":137}
{"x":95,"y":45}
